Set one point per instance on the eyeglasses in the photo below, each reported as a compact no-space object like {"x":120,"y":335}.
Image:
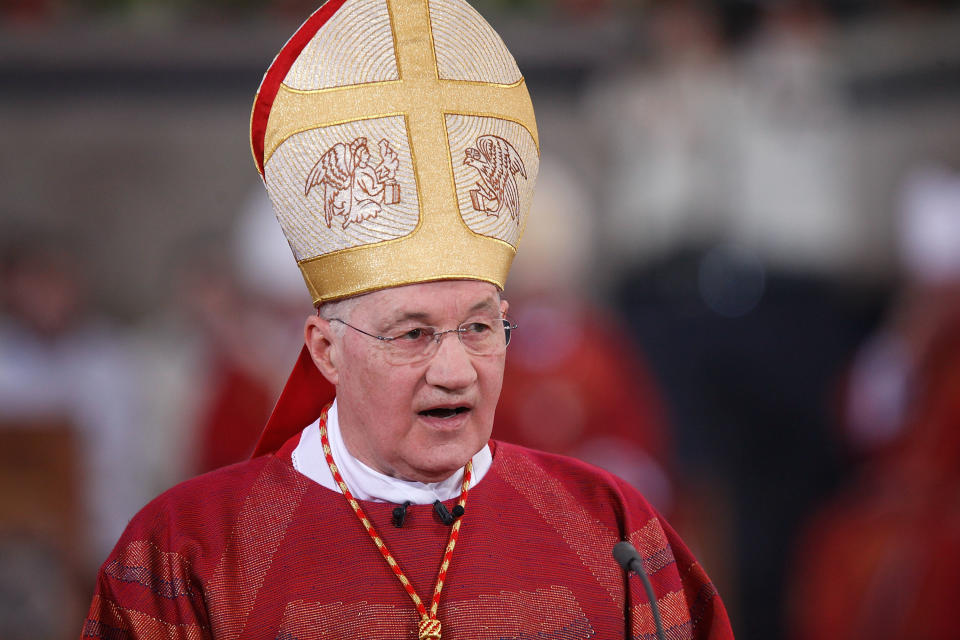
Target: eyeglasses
{"x":480,"y":337}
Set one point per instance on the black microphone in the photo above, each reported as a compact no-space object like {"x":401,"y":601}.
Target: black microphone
{"x":400,"y":514}
{"x":446,"y":517}
{"x":629,"y":558}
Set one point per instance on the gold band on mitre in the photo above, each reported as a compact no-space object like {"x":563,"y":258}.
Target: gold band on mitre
{"x":398,"y":144}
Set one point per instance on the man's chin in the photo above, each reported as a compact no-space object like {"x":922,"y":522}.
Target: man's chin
{"x":438,"y":469}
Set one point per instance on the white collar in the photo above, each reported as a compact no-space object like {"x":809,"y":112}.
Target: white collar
{"x":366,"y":483}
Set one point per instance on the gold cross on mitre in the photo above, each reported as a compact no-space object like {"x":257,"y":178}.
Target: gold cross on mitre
{"x":458,"y":112}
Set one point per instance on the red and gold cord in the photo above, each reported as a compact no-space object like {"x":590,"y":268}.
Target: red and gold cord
{"x":429,"y":628}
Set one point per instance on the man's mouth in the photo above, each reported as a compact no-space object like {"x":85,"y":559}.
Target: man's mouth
{"x":444,"y":412}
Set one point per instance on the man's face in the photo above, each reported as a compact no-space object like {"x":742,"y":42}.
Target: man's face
{"x":399,"y":418}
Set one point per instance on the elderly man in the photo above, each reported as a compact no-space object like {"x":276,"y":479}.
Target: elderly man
{"x":388,"y":513}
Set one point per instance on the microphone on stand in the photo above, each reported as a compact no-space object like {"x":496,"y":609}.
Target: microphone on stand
{"x":629,"y":558}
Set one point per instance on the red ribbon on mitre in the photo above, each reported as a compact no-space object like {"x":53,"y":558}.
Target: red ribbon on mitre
{"x":306,"y":391}
{"x":274,"y":76}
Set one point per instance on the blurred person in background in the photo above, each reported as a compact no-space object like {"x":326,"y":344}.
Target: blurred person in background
{"x":215,"y":358}
{"x":579,"y":386}
{"x":793,"y":178}
{"x":665,"y":123}
{"x":732,"y":216}
{"x":881,"y":560}
{"x":58,"y":359}
{"x":250,"y":319}
{"x":881,"y":382}
{"x":70,"y":427}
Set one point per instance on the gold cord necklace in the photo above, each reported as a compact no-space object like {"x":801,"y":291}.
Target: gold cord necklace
{"x":429,"y":627}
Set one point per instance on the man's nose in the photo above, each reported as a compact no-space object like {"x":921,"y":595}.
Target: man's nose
{"x":451,"y":366}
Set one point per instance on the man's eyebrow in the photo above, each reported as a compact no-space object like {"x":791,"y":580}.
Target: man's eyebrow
{"x":393,"y":321}
{"x":421,"y":316}
{"x":489,"y":304}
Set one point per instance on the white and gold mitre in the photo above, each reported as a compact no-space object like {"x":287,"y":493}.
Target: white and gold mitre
{"x":397,"y":141}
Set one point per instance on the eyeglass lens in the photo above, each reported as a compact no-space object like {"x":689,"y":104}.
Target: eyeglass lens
{"x":478,"y":337}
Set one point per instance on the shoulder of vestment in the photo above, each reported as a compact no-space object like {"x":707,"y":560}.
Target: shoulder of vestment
{"x":193,"y":519}
{"x":597,"y":491}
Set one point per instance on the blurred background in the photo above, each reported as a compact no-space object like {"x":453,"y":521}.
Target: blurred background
{"x":739,"y":288}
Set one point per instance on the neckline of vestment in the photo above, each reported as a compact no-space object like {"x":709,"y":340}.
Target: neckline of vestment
{"x":369,"y":485}
{"x":429,"y":627}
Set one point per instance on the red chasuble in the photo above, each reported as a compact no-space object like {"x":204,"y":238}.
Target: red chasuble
{"x":257,"y":550}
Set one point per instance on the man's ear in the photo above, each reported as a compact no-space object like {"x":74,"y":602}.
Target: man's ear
{"x":504,"y":305}
{"x":319,"y":338}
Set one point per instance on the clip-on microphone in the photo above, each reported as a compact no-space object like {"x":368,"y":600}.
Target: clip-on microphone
{"x":400,"y":514}
{"x":446,"y":516}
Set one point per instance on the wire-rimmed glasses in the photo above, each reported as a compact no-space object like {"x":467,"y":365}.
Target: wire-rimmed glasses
{"x":479,"y":336}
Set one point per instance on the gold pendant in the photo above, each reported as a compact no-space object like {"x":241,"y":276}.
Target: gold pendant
{"x":429,"y":629}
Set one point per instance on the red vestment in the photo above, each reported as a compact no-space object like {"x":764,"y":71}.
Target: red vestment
{"x":882,"y":561}
{"x":257,"y":550}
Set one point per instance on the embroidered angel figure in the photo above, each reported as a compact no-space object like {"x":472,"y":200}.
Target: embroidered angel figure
{"x":353,"y":189}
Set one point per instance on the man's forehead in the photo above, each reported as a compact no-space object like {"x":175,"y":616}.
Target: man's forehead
{"x":431,"y":299}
